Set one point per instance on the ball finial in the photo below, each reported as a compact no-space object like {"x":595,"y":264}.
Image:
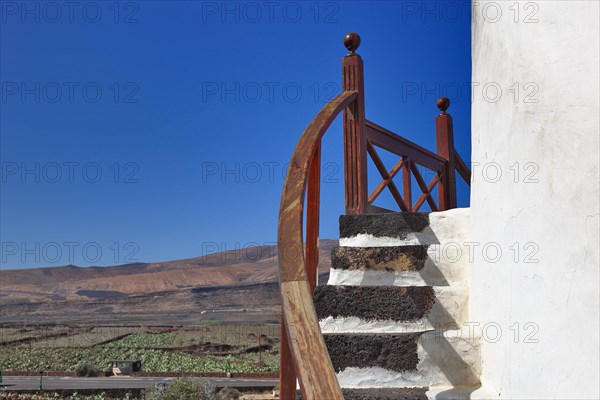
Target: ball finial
{"x":352,"y":41}
{"x":443,"y":103}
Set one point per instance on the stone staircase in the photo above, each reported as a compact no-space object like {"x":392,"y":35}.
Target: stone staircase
{"x":395,"y":311}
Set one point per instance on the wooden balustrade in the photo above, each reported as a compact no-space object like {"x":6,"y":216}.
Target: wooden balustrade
{"x":361,"y":137}
{"x":303,"y":354}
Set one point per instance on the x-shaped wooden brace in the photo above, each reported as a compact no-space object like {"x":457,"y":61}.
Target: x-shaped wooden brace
{"x":426,"y":189}
{"x":387,"y":178}
{"x":388,"y":182}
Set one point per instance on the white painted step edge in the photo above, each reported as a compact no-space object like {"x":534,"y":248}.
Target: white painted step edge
{"x":446,"y":265}
{"x":445,"y":226}
{"x":450,"y":359}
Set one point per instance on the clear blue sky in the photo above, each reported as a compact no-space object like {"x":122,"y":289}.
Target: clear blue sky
{"x":158,"y":130}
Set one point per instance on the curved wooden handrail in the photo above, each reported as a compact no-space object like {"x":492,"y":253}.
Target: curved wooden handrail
{"x":311,"y":359}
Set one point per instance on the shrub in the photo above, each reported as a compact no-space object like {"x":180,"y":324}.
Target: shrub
{"x":86,"y":369}
{"x":229,"y":393}
{"x":184,"y":389}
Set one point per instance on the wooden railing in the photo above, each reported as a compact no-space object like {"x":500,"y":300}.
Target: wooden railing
{"x":303,"y":354}
{"x":411,"y":155}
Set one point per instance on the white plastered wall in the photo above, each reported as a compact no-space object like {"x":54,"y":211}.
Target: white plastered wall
{"x":550,"y":209}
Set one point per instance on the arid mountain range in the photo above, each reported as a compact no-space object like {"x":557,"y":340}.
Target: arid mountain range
{"x":229,"y":286}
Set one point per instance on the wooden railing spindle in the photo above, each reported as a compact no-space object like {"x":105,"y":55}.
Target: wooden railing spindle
{"x":407,"y":184}
{"x":312,"y":218}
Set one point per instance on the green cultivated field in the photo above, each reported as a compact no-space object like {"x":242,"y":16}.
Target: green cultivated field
{"x":209,"y":348}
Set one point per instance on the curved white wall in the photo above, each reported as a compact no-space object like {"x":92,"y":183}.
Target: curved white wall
{"x":556,"y":218}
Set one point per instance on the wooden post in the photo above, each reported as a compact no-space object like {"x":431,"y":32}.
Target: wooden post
{"x":355,"y":143}
{"x":287,"y":374}
{"x":312,"y":218}
{"x":444,"y":138}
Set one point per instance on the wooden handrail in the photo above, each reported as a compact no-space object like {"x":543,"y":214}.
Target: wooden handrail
{"x":311,"y":360}
{"x":396,"y":144}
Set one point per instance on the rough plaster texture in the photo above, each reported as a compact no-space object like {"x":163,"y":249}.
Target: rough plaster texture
{"x":552,"y":208}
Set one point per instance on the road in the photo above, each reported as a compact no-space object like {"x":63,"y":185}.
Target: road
{"x":115,"y":382}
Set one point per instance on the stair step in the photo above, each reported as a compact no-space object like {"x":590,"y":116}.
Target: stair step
{"x":401,"y":226}
{"x":418,"y":393}
{"x":383,"y":394}
{"x":374,"y":302}
{"x":390,"y":259}
{"x":396,"y":298}
{"x":449,"y":310}
{"x":393,"y":352}
{"x":401,"y":229}
{"x":450,"y":358}
{"x":410,"y":265}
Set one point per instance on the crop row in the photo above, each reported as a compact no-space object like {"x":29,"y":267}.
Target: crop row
{"x":58,"y":396}
{"x":66,"y":359}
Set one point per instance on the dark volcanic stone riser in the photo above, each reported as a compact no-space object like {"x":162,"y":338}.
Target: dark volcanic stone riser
{"x":396,"y":225}
{"x":386,"y":394}
{"x":383,"y":394}
{"x":398,"y":258}
{"x":374,"y":302}
{"x":395,"y":352}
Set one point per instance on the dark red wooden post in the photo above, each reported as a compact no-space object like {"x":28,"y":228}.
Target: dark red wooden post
{"x":444,"y":138}
{"x":287,"y":373}
{"x":355,"y":143}
{"x":312,"y":218}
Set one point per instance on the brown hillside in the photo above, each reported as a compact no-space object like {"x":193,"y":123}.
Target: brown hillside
{"x":71,"y":283}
